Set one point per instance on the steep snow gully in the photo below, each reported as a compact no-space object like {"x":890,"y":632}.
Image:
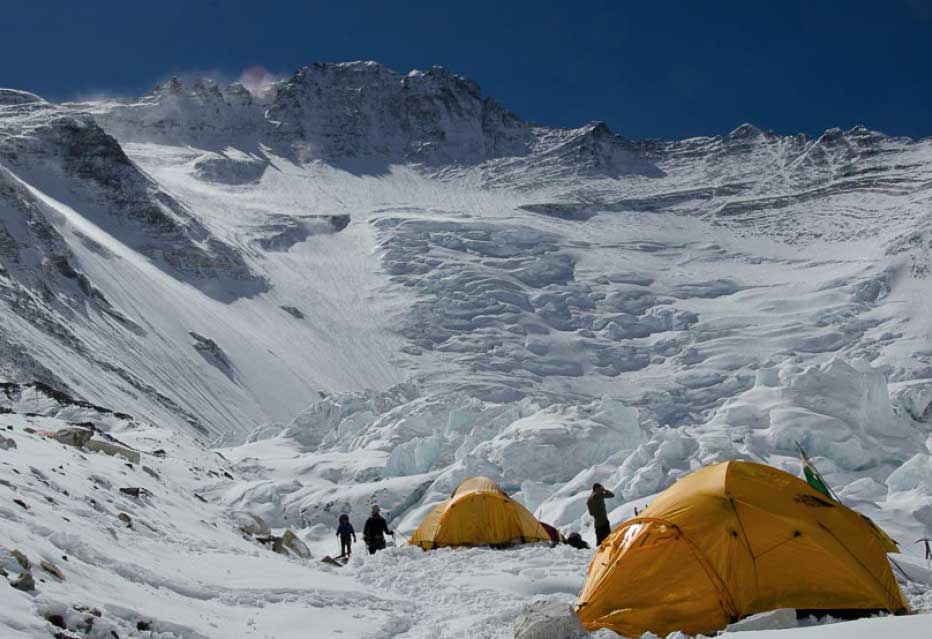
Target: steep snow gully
{"x":360,"y":286}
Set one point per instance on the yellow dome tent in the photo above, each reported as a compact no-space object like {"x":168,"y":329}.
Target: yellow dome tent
{"x":732,"y":540}
{"x":478,"y":513}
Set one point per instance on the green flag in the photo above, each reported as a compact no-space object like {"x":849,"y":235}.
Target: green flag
{"x":815,"y":480}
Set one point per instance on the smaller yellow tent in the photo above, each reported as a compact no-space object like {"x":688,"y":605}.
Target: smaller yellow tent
{"x":731,"y":540}
{"x":478,"y":513}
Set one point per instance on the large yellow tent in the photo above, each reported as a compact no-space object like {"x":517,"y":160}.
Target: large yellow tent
{"x":478,"y":513}
{"x":732,"y":540}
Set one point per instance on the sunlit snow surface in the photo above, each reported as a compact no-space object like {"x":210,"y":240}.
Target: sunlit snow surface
{"x":355,"y":305}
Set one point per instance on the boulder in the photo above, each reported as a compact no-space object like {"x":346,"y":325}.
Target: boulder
{"x":73,"y":436}
{"x":134,"y":491}
{"x":100,"y":446}
{"x":52,"y":569}
{"x":6,"y":443}
{"x":250,"y":524}
{"x":548,"y":620}
{"x":21,"y":559}
{"x":339,"y":562}
{"x":9,"y":563}
{"x":290,"y":542}
{"x":57,"y":620}
{"x":25,"y":582}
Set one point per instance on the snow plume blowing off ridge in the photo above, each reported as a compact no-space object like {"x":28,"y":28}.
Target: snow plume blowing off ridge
{"x":257,"y":79}
{"x":283,"y":299}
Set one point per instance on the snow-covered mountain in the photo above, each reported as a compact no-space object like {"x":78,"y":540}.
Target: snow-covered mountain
{"x":368,"y":285}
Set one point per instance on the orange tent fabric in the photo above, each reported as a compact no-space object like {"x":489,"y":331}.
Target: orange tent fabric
{"x":478,"y":513}
{"x":732,"y":540}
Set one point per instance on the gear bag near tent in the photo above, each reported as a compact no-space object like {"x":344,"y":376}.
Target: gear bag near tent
{"x":478,"y":513}
{"x":732,"y":540}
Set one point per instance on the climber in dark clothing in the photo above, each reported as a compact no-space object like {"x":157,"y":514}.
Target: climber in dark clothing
{"x":596,"y":507}
{"x":346,"y":532}
{"x":373,"y":533}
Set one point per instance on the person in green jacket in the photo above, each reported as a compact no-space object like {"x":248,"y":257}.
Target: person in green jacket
{"x":596,"y":507}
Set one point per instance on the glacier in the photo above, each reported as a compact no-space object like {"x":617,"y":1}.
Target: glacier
{"x":358,"y":286}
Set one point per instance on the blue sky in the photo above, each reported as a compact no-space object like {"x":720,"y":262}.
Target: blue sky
{"x":665,"y":68}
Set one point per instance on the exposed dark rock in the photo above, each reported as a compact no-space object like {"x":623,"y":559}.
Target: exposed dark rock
{"x":291,"y":310}
{"x":25,"y":583}
{"x":576,"y":212}
{"x":134,"y":491}
{"x":58,"y":621}
{"x":283,"y":234}
{"x":339,"y":222}
{"x":14,"y":391}
{"x":327,"y":559}
{"x":212,"y":353}
{"x":22,"y":559}
{"x":250,"y":524}
{"x":76,"y":436}
{"x":230,"y":170}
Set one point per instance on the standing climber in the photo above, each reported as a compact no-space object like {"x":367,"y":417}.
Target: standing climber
{"x":345,"y":532}
{"x":373,"y":533}
{"x":596,"y":507}
{"x":927,"y":542}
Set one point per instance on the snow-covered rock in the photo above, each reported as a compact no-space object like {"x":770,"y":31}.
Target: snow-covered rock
{"x":771,"y":620}
{"x":548,"y":620}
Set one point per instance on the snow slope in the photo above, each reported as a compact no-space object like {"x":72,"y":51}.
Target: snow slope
{"x":363,"y":286}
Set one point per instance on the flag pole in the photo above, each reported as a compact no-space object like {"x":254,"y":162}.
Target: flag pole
{"x":815,"y":471}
